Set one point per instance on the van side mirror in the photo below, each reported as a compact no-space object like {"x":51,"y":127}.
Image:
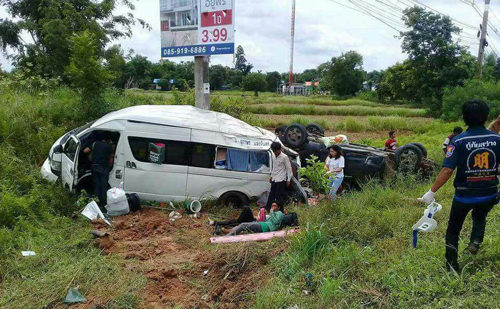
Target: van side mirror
{"x":58,"y":149}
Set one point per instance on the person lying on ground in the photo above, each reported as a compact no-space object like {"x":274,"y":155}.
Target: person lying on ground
{"x":245,"y":216}
{"x":447,"y":141}
{"x":270,"y":225}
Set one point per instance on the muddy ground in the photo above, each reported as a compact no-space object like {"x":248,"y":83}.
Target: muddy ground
{"x":181,"y":266}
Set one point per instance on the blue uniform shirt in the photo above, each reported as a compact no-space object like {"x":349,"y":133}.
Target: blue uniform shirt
{"x":475,"y":154}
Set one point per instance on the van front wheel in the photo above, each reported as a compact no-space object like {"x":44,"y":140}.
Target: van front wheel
{"x":233,"y":199}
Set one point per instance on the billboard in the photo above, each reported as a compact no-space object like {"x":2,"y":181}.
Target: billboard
{"x":196,"y":27}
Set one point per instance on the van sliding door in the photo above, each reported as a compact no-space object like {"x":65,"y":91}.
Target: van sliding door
{"x":156,"y":168}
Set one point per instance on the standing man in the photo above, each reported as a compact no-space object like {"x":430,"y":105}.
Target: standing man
{"x":475,"y":154}
{"x":281,"y":174}
{"x":391,"y":144}
{"x":447,"y":141}
{"x":100,"y":153}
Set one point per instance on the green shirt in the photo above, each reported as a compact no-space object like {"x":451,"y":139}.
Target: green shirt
{"x":273,"y":223}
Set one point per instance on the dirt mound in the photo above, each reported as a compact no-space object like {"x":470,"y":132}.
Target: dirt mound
{"x":181,"y":266}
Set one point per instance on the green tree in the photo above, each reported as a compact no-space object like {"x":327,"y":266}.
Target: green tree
{"x":496,"y":70}
{"x":309,"y":75}
{"x":241,"y":61}
{"x":87,"y":73}
{"x":436,"y":60}
{"x":218,"y":76}
{"x":273,"y":79}
{"x":51,"y":24}
{"x":115,"y":63}
{"x":137,"y":72}
{"x":344,"y":75}
{"x":255,"y":82}
{"x":374,"y":78}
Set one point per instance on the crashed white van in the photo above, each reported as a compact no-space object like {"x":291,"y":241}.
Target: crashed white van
{"x":170,"y":153}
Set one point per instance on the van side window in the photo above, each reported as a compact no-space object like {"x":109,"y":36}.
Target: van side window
{"x":242,"y":160}
{"x":202,"y":155}
{"x":176,"y":153}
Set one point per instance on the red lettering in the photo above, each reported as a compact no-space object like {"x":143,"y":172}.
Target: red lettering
{"x":218,"y":18}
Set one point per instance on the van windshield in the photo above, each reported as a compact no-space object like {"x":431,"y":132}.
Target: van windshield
{"x":75,"y":131}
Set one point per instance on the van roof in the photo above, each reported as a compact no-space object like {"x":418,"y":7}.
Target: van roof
{"x":187,"y":116}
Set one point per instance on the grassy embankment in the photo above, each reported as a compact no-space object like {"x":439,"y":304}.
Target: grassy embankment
{"x":357,"y":248}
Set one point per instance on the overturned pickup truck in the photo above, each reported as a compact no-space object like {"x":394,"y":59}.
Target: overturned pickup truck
{"x":170,"y":153}
{"x":362,"y":162}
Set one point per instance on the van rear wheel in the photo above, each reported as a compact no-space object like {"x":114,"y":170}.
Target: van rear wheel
{"x":234,"y":199}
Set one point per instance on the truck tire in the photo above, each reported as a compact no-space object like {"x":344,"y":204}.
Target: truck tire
{"x":422,"y":149}
{"x":408,"y":158}
{"x":234,"y":199}
{"x":295,"y":135}
{"x":315,"y":129}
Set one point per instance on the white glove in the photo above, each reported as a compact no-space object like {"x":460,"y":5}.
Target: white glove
{"x":428,"y":197}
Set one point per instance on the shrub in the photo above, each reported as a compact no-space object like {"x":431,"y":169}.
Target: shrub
{"x":315,"y":173}
{"x":455,"y":97}
{"x":368,"y":96}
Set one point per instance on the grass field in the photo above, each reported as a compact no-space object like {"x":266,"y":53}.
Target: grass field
{"x":357,"y":249}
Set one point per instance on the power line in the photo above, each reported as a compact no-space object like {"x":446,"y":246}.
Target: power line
{"x":364,"y":11}
{"x":418,"y":3}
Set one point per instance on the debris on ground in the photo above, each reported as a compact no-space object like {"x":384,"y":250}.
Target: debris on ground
{"x":28,"y":253}
{"x":93,"y":212}
{"x":174,"y":215}
{"x":181,"y":267}
{"x":98,"y":234}
{"x":74,"y":296}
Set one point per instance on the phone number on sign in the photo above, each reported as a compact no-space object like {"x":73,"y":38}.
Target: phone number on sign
{"x":184,"y":50}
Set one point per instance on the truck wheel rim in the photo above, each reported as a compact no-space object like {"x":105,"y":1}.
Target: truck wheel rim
{"x":294,"y":135}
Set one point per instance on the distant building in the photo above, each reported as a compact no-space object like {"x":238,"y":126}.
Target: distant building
{"x":294,"y":89}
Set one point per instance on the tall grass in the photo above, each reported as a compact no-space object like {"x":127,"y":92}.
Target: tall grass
{"x":351,"y":110}
{"x":364,"y":256}
{"x":368,"y":124}
{"x":34,"y":214}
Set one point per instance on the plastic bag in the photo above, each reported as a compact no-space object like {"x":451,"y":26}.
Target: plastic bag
{"x":93,"y":212}
{"x":117,"y":202}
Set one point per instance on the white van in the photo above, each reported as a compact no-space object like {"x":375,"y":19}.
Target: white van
{"x":170,"y":153}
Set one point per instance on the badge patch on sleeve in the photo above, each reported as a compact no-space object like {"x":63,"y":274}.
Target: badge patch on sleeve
{"x":450,"y":150}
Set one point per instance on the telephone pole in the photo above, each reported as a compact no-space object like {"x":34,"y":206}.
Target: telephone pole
{"x":290,"y":74}
{"x":482,"y":40}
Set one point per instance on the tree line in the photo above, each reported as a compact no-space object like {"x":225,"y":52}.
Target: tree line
{"x":70,"y":41}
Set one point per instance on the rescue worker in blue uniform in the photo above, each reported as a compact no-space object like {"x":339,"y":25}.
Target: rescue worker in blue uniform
{"x":475,"y":154}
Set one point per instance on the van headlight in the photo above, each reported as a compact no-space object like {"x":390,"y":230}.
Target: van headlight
{"x":55,"y":166}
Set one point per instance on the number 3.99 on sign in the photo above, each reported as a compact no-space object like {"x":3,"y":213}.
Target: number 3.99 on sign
{"x":214,"y":35}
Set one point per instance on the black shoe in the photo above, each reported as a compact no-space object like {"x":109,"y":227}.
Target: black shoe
{"x":473,"y":247}
{"x":452,"y":266}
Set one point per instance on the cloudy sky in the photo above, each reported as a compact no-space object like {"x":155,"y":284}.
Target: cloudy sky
{"x":324,"y":28}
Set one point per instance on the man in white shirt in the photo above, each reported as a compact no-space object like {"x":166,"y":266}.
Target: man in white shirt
{"x":281,"y":174}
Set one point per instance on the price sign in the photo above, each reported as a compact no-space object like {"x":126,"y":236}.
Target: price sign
{"x":197,"y":27}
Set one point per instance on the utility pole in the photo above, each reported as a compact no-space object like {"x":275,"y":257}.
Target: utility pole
{"x":201,"y":82}
{"x":290,"y":74}
{"x":482,"y":40}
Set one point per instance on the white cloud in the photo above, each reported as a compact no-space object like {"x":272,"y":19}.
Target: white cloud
{"x":323,"y":29}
